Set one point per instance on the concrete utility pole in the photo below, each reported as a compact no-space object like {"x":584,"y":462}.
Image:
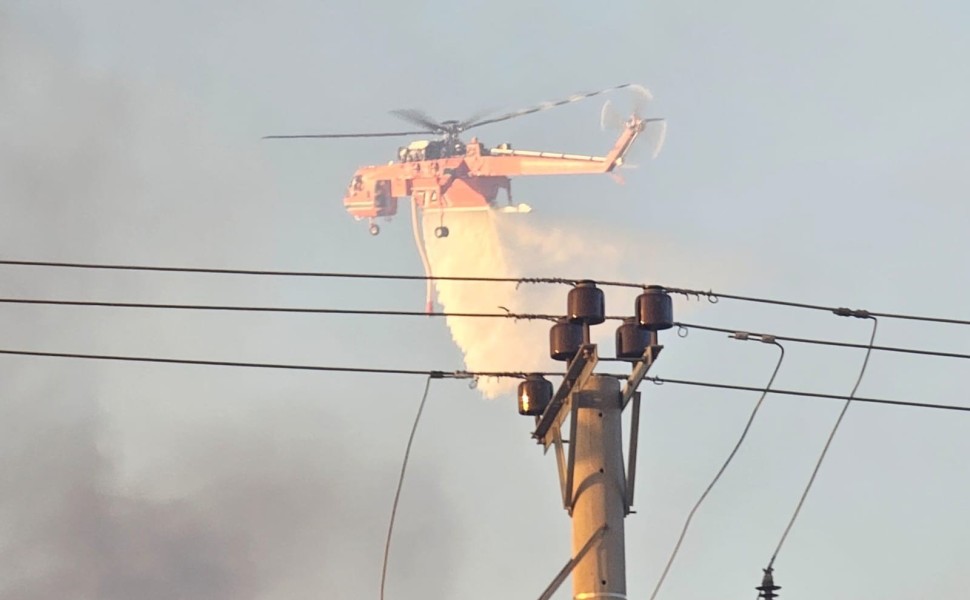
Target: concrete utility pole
{"x":596,"y":486}
{"x":599,"y":492}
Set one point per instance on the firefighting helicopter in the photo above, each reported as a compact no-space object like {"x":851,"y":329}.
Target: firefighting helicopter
{"x":447,"y":174}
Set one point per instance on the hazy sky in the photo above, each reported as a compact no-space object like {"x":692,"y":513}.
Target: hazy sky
{"x":815,"y":152}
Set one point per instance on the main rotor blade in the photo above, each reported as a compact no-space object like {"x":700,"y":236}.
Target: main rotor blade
{"x":548,"y":105}
{"x":470,"y":121}
{"x":417,"y":117}
{"x":346,"y":135}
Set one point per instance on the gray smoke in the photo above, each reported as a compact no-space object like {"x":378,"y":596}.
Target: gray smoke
{"x":246,"y":497}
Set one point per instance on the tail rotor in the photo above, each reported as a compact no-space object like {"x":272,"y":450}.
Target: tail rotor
{"x":654,"y":132}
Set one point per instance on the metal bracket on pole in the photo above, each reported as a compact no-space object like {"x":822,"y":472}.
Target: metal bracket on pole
{"x":561,"y":466}
{"x":640,"y":370}
{"x":630,"y":392}
{"x":571,"y":564}
{"x":631,"y":471}
{"x":580,"y":368}
{"x":549,"y":424}
{"x":571,"y":467}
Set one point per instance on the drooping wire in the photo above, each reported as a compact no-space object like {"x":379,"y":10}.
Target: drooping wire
{"x":720,"y":472}
{"x":828,"y":443}
{"x":400,"y":483}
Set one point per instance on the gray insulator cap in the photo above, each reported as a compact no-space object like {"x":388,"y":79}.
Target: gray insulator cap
{"x":565,"y":340}
{"x":586,"y":304}
{"x":655,"y":309}
{"x":632,"y":340}
{"x":535,"y":394}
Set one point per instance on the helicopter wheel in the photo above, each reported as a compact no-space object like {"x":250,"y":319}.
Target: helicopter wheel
{"x":441,"y":232}
{"x":374,"y":229}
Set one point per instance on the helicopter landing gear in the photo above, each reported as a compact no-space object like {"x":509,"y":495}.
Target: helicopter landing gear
{"x":374,"y":229}
{"x":441,"y":232}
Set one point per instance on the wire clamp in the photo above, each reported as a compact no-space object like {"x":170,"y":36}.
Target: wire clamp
{"x":856,"y":313}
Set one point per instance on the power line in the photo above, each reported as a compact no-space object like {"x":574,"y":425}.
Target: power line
{"x":825,"y":448}
{"x":283,"y":309}
{"x":748,"y":388}
{"x":256,"y":365}
{"x":400,"y":483}
{"x":714,"y":297}
{"x":711,"y":295}
{"x":436,"y":374}
{"x":717,"y":477}
{"x":275,"y":273}
{"x":819,"y":342}
{"x":411,"y":313}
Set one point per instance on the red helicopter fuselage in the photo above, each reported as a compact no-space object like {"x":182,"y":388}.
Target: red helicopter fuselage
{"x":450,"y":176}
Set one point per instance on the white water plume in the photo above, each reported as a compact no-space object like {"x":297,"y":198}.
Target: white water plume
{"x":497,"y":245}
{"x":493,"y":244}
{"x":476,"y":250}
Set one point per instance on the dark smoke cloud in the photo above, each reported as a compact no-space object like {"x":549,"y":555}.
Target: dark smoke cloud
{"x":70,"y":532}
{"x":263,"y":507}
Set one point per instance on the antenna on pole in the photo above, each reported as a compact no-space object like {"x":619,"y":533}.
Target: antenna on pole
{"x":767,"y":589}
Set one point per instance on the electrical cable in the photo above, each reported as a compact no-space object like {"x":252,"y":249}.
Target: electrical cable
{"x":466,"y":375}
{"x":272,"y":273}
{"x":286,"y":309}
{"x":802,"y":394}
{"x":828,"y":443}
{"x":411,"y":313}
{"x":711,"y":295}
{"x":717,"y":477}
{"x":400,"y":483}
{"x":819,"y":342}
{"x":253,"y":365}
